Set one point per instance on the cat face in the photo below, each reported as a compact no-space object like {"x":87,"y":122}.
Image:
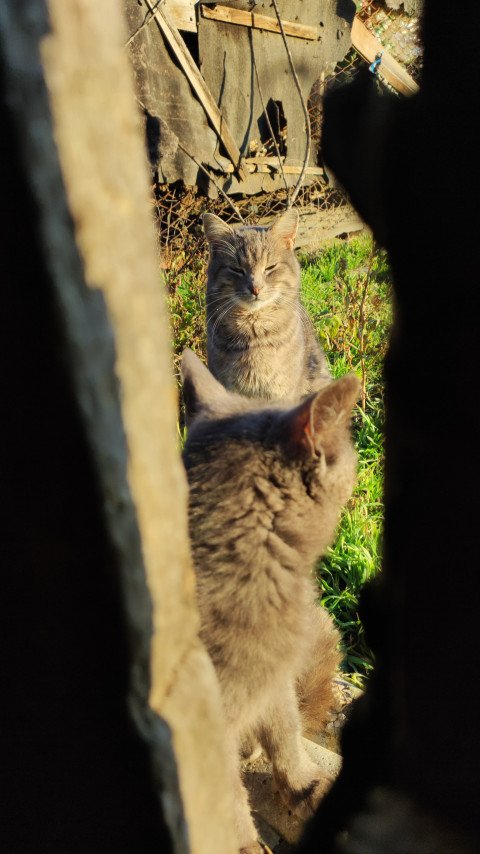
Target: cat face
{"x":252,"y":267}
{"x":303,"y":455}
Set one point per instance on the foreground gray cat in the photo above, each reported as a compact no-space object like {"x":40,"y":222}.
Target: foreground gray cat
{"x":266,"y":486}
{"x":261,"y":341}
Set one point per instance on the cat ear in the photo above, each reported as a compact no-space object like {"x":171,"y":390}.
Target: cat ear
{"x":215,"y":229}
{"x":299,"y":427}
{"x":200,"y":387}
{"x":285,"y":227}
{"x":333,"y":404}
{"x":315,"y":424}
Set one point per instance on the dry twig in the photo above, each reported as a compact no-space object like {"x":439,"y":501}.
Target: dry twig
{"x":361,"y":335}
{"x":203,"y":168}
{"x":149,"y":17}
{"x":213,"y":180}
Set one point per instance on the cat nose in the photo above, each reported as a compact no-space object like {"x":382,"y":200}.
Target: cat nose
{"x":255,"y":290}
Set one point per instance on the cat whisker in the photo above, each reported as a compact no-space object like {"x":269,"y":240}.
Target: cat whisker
{"x":219,"y":301}
{"x":288,"y":301}
{"x":230,"y":304}
{"x":224,"y":248}
{"x":222,"y":299}
{"x":219,"y":318}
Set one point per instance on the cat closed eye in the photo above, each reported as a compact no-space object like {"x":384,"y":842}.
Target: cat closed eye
{"x":271,"y":268}
{"x":238,"y":270}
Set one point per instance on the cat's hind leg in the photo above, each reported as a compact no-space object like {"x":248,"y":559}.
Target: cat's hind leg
{"x":300,"y":781}
{"x":246,"y":831}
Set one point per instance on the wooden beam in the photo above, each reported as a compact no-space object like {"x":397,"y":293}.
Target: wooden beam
{"x":182,"y":13}
{"x":270,"y":161}
{"x":362,"y":39}
{"x":258,"y":22}
{"x":269,"y":164}
{"x":198,"y":84}
{"x":369,"y":46}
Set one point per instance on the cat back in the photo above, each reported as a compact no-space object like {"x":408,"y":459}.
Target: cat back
{"x":267,"y":481}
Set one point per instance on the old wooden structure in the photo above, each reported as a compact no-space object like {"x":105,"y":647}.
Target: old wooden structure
{"x":217,"y":89}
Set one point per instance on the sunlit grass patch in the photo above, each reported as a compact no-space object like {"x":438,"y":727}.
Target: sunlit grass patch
{"x":347,"y":291}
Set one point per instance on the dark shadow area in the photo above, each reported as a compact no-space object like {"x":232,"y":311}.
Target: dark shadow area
{"x":410,"y":776}
{"x":75,"y":775}
{"x":278,"y":123}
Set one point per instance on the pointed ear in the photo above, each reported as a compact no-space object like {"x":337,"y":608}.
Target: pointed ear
{"x":200,"y":388}
{"x":285,"y":227}
{"x":315,"y":423}
{"x":299,"y":427}
{"x":215,"y":230}
{"x":333,"y":405}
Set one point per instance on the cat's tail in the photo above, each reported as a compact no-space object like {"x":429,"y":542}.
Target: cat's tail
{"x":315,"y":686}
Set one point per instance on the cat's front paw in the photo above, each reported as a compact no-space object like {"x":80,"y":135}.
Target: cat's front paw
{"x":303,"y":802}
{"x":250,"y":749}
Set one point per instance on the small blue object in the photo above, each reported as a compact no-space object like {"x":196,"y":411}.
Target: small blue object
{"x":376,"y":62}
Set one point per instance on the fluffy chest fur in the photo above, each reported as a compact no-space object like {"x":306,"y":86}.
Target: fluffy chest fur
{"x":259,"y":354}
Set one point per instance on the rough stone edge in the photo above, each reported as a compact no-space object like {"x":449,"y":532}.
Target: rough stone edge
{"x":90,"y":349}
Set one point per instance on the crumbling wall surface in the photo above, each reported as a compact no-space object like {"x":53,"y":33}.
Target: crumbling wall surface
{"x":409,"y":781}
{"x":226,"y":53}
{"x":226,"y":60}
{"x":171,"y":111}
{"x":95,"y":494}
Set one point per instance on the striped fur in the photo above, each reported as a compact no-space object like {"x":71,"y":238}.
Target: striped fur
{"x":261,"y":341}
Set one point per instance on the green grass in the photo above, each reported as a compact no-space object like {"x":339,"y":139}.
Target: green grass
{"x":186,"y":291}
{"x":186,"y":301}
{"x":347,"y":291}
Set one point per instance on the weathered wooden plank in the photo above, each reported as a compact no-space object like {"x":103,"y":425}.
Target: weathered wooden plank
{"x":266,"y":164}
{"x":173,"y":113}
{"x":309,"y":170}
{"x":182,"y":13}
{"x":197,"y":83}
{"x":259,"y":22}
{"x":225,"y":53}
{"x":369,"y":46}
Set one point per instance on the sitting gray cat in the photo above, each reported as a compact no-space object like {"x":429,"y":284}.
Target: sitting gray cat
{"x":267,"y":482}
{"x":261,"y":341}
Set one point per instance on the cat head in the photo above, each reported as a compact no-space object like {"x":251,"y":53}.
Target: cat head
{"x":251,"y":265}
{"x":306,"y":447}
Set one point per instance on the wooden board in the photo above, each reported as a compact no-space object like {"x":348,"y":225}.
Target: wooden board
{"x":226,"y":51}
{"x":182,"y":54}
{"x":269,"y":164}
{"x":182,"y":13}
{"x":260,"y":22}
{"x":173,"y":113}
{"x":369,"y":46}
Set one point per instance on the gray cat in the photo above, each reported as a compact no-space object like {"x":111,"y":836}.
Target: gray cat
{"x":261,"y":341}
{"x":266,"y":486}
